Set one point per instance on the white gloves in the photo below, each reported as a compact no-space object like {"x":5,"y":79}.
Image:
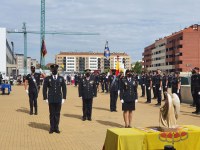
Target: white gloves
{"x":154,"y":86}
{"x":122,"y":101}
{"x":63,"y":100}
{"x":136,"y":100}
{"x":198,"y":93}
{"x":178,"y":91}
{"x":80,"y":97}
{"x":118,"y":92}
{"x":46,"y":101}
{"x":27,"y":91}
{"x":165,"y":86}
{"x":149,"y":88}
{"x":41,"y":71}
{"x":143,"y":84}
{"x":159,"y":88}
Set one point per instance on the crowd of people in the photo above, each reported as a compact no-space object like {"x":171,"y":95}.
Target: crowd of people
{"x":123,"y":86}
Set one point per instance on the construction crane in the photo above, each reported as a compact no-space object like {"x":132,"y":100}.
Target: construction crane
{"x":42,"y":36}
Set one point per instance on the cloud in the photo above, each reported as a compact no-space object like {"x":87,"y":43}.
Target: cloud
{"x":128,"y":25}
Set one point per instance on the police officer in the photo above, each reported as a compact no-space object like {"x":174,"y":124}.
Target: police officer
{"x":154,"y":85}
{"x":55,"y":86}
{"x":158,"y":87}
{"x":114,"y":90}
{"x":148,"y":84}
{"x":106,"y":82}
{"x":87,"y":90}
{"x":1,"y":78}
{"x":102,"y":80}
{"x":195,"y":85}
{"x":32,"y":87}
{"x":165,"y":84}
{"x":128,"y":97}
{"x":176,"y":84}
{"x":142,"y":83}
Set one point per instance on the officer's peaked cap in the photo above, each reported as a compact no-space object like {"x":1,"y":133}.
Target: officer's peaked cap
{"x":196,"y":68}
{"x":87,"y":70}
{"x":54,"y":66}
{"x":32,"y":67}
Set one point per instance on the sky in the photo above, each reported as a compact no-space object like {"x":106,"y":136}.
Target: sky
{"x":128,"y":25}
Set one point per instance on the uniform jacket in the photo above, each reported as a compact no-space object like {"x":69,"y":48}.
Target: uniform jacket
{"x":87,"y":88}
{"x":164,"y":80}
{"x":128,"y":90}
{"x":54,"y":90}
{"x":114,"y":86}
{"x":148,"y":80}
{"x":31,"y":81}
{"x":195,"y":83}
{"x":175,"y":82}
{"x":158,"y":80}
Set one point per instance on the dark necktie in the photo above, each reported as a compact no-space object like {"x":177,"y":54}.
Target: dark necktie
{"x":54,"y":78}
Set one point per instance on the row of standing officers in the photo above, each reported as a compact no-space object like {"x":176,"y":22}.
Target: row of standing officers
{"x":125,"y":87}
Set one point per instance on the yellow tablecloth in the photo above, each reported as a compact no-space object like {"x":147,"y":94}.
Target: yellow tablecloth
{"x":139,"y":139}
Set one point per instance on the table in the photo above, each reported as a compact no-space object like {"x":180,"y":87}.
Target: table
{"x":187,"y":138}
{"x":4,"y":86}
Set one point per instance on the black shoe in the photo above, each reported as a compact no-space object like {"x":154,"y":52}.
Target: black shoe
{"x":83,"y":119}
{"x":31,"y":113}
{"x":146,"y":102}
{"x":115,"y":110}
{"x":129,"y":127}
{"x":195,"y":112}
{"x":57,"y":131}
{"x":158,"y":104}
{"x":89,"y":119}
{"x":36,"y":112}
{"x":51,"y":132}
{"x":142,"y":96}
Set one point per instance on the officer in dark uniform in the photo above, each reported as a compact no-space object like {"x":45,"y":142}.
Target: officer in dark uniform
{"x":170,"y":76}
{"x":106,"y":82}
{"x":114,"y":90}
{"x":128,"y":97}
{"x":195,"y":87}
{"x":55,"y":86}
{"x":75,"y":80}
{"x":135,"y":78}
{"x":142,"y":83}
{"x":87,"y":90}
{"x":148,"y":87}
{"x":165,"y":84}
{"x":33,"y":80}
{"x":159,"y":87}
{"x":1,"y":78}
{"x":102,"y":80}
{"x":193,"y":84}
{"x":176,"y":84}
{"x":154,"y":85}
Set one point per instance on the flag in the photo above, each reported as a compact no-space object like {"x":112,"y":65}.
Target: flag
{"x":117,"y":66}
{"x":106,"y":51}
{"x":43,"y":48}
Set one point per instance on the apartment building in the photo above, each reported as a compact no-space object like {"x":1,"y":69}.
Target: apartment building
{"x":179,"y":51}
{"x":20,"y":62}
{"x":79,"y":61}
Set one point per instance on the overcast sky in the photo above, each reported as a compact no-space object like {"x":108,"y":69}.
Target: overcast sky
{"x":128,"y":25}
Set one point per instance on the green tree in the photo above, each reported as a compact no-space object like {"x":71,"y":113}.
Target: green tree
{"x":137,"y":68}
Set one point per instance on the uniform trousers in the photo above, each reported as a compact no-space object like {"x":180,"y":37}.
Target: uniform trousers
{"x":87,"y":108}
{"x":54,"y":110}
{"x":148,"y":91}
{"x":113,"y":100}
{"x":143,"y":90}
{"x":154,"y":92}
{"x":33,"y":95}
{"x":159,"y":94}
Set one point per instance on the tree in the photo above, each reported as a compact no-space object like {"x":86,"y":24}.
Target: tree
{"x":137,"y":68}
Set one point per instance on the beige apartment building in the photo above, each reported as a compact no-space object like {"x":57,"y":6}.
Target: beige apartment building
{"x":79,"y":61}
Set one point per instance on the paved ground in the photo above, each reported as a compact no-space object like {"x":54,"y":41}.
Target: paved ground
{"x":20,"y":131}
